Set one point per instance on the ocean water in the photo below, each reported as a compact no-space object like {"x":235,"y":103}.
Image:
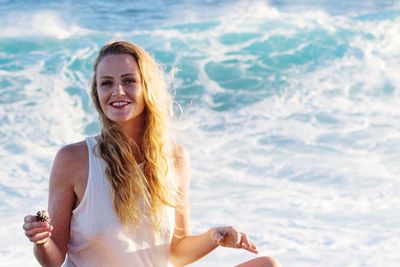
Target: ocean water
{"x":290,"y":111}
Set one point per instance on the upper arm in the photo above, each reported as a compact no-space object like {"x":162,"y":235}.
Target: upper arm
{"x":182,"y":175}
{"x":61,"y":193}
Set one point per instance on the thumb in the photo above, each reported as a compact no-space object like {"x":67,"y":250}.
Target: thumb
{"x":218,"y":237}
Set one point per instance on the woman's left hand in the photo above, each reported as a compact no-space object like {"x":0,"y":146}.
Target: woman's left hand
{"x":231,"y":237}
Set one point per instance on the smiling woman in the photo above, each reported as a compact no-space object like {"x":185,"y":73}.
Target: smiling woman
{"x":120,"y":92}
{"x":121,"y":198}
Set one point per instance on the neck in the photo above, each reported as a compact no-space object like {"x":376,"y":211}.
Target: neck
{"x":135,"y":130}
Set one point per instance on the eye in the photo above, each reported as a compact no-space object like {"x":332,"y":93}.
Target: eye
{"x":106,"y":83}
{"x":129,"y":81}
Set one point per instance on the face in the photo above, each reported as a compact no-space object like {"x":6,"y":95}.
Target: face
{"x":119,"y":88}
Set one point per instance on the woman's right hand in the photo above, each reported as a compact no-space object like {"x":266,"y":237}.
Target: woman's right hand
{"x":36,"y":230}
{"x":228,"y":236}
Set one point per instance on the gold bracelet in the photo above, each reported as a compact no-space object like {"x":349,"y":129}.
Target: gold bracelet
{"x":42,"y":244}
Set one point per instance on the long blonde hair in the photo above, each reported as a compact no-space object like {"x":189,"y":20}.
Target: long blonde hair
{"x":140,"y":194}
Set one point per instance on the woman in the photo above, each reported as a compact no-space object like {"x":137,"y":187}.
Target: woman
{"x":119,"y":199}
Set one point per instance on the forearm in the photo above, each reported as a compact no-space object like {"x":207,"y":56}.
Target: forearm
{"x":48,"y":254}
{"x":192,"y":248}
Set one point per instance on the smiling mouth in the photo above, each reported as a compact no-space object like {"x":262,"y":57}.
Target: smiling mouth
{"x":119,"y":104}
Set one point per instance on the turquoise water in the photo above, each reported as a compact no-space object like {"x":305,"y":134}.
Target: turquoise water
{"x":290,"y":110}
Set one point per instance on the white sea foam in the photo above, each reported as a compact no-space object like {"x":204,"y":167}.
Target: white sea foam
{"x":311,"y":172}
{"x":38,"y":122}
{"x":44,"y":23}
{"x":319,"y":160}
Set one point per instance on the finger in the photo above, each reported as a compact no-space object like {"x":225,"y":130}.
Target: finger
{"x":253,"y":245}
{"x":41,"y":238}
{"x":236,"y":236}
{"x":252,"y":250}
{"x":36,"y":224}
{"x":247,"y":244}
{"x":219,"y":238}
{"x":219,"y":234}
{"x":36,"y":231}
{"x":30,"y":218}
{"x":245,"y":240}
{"x":227,"y":236}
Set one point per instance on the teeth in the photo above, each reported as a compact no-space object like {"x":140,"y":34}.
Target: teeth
{"x":119,"y":104}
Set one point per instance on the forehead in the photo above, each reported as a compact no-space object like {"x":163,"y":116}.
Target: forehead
{"x":117,"y":64}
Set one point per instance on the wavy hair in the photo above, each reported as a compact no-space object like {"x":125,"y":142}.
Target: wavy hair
{"x":138,"y":193}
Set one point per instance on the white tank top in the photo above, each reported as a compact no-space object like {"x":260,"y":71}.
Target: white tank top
{"x":97,"y":237}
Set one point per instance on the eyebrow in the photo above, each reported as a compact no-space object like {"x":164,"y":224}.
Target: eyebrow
{"x":123,"y":75}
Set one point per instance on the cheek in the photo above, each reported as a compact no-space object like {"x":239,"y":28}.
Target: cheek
{"x":141,"y":100}
{"x":139,"y":95}
{"x":102,"y":100}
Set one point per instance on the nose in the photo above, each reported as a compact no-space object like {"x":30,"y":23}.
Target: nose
{"x":119,"y":89}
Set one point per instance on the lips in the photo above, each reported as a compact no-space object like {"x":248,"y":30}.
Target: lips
{"x":119,"y":104}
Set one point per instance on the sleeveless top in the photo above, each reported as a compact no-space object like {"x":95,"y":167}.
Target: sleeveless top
{"x":97,"y":237}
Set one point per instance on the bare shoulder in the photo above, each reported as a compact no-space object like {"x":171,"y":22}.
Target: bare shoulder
{"x":70,"y":161}
{"x":72,"y":153}
{"x":181,"y":155}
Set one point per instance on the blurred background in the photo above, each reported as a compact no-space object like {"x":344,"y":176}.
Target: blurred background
{"x":290,"y":111}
